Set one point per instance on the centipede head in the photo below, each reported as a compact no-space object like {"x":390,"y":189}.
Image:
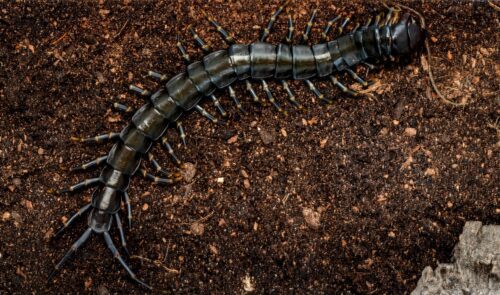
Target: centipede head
{"x":407,"y":35}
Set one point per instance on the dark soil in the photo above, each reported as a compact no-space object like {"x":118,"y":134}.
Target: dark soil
{"x":354,"y":197}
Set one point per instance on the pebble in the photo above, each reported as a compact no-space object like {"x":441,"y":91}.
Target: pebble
{"x":410,"y":132}
{"x":233,"y":139}
{"x":220,"y":180}
{"x":244,"y":173}
{"x":323,"y":142}
{"x":246,"y":183}
{"x":311,"y":217}
{"x":197,"y":228}
{"x":391,"y":234}
{"x":145,"y":207}
{"x":5,"y":216}
{"x":267,"y":136}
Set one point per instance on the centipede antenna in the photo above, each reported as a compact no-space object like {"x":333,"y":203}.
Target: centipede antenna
{"x":206,"y":114}
{"x":204,"y":46}
{"x":122,"y":108}
{"x":270,"y":25}
{"x":328,"y":27}
{"x":170,"y":150}
{"x":87,"y":183}
{"x":182,"y":50}
{"x":228,"y":38}
{"x":291,"y":29}
{"x":95,"y":163}
{"x":126,"y":200}
{"x":343,"y":25}
{"x":157,"y":76}
{"x":271,"y":99}
{"x":139,"y":90}
{"x":98,"y":138}
{"x":71,"y":220}
{"x":291,"y":95}
{"x":316,"y":92}
{"x":159,"y":180}
{"x":250,"y":89}
{"x":218,"y":105}
{"x":232,"y":94}
{"x":307,"y":32}
{"x":342,"y":87}
{"x":181,"y":132}
{"x":122,"y":234}
{"x":117,"y":255}
{"x":356,"y":77}
{"x":443,"y":98}
{"x":83,"y":238}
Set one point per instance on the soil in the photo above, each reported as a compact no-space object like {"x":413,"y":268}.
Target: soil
{"x":353,"y":197}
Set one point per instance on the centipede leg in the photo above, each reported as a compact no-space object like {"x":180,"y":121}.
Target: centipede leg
{"x":271,"y":99}
{"x":159,"y":180}
{"x":328,"y":27}
{"x":92,"y":164}
{"x":356,"y":77}
{"x":316,"y":92}
{"x":206,"y":114}
{"x":98,"y":138}
{"x":82,"y":185}
{"x":122,"y":108}
{"x":250,"y":89}
{"x":126,"y":200}
{"x":155,"y":164}
{"x":237,"y":102}
{"x":342,"y":87}
{"x":71,"y":220}
{"x":307,"y":32}
{"x":270,"y":25}
{"x":356,"y":27}
{"x":182,"y":134}
{"x":83,"y":238}
{"x":291,"y":29}
{"x":139,"y":90}
{"x":183,"y":51}
{"x":366,"y":24}
{"x":291,"y":95}
{"x":228,"y":38}
{"x":204,"y":46}
{"x":122,"y":234}
{"x":218,"y":105}
{"x":157,"y":76}
{"x":170,"y":150}
{"x":343,"y":25}
{"x":117,"y":255}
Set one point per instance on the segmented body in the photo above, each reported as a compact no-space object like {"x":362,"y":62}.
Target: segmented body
{"x":219,"y":70}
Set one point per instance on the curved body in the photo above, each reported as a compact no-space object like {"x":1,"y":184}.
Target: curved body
{"x":219,"y":70}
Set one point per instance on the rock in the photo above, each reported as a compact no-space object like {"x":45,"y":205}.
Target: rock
{"x":267,"y":136}
{"x":410,"y":132}
{"x":475,"y":268}
{"x":311,"y":217}
{"x":197,"y":228}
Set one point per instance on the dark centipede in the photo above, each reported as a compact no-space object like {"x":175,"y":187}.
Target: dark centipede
{"x":374,"y":41}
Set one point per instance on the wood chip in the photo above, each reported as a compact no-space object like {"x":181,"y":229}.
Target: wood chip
{"x":197,"y":228}
{"x":311,"y":217}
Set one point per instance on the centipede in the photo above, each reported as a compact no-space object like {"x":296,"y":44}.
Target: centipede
{"x":396,"y":32}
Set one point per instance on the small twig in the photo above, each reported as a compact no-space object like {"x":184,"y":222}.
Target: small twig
{"x":199,"y":220}
{"x":121,"y":30}
{"x":496,"y":7}
{"x":55,"y":42}
{"x":157,"y":263}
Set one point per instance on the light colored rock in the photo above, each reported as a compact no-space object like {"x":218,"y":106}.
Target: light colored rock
{"x":475,"y":269}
